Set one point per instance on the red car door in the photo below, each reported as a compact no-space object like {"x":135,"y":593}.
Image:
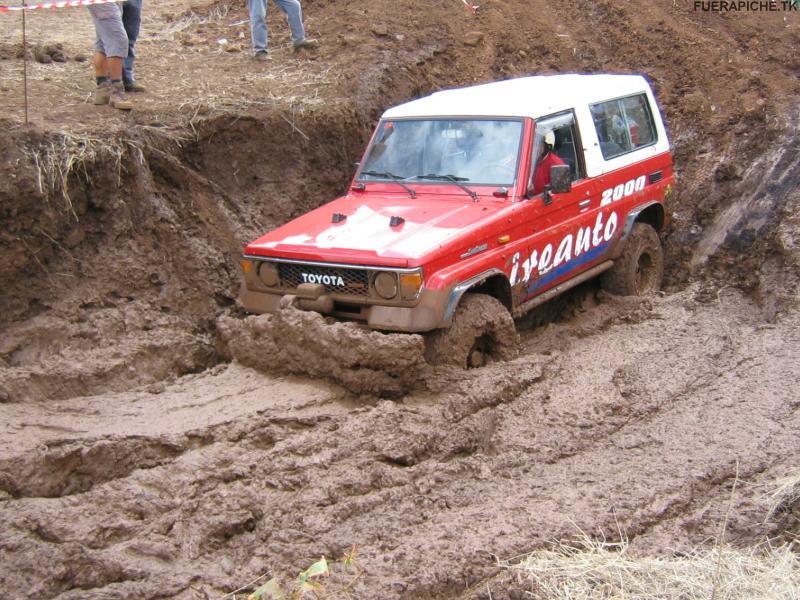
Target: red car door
{"x":567,"y":232}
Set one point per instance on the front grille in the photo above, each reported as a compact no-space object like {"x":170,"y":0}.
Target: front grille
{"x":336,"y":280}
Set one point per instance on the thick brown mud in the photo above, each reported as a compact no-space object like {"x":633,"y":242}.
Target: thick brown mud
{"x":633,"y":416}
{"x":155,"y":442}
{"x":296,"y":341}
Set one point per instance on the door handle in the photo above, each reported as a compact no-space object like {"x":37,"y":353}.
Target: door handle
{"x":584,"y":203}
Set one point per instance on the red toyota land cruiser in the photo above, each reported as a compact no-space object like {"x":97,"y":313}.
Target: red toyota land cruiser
{"x":472,"y":206}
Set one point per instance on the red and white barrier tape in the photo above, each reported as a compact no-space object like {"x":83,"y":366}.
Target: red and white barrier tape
{"x":62,"y":4}
{"x":470,"y":7}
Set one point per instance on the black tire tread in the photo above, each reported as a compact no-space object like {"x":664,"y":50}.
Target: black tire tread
{"x":621,"y":278}
{"x":475,"y":316}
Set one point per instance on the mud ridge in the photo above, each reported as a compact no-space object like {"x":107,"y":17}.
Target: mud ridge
{"x":361,"y":360}
{"x":63,"y":470}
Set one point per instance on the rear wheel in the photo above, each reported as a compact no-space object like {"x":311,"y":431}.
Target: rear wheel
{"x":482,"y":330}
{"x":640,"y":267}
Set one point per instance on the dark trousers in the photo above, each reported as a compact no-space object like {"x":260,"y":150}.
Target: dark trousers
{"x":131,"y":20}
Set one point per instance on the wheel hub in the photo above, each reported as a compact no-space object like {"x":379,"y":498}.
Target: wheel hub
{"x":478,"y":355}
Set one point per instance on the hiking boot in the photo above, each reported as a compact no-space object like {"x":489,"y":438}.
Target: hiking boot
{"x":305,"y":43}
{"x":102,"y":93}
{"x":118,"y":99}
{"x":261,"y":55}
{"x":134,"y":87}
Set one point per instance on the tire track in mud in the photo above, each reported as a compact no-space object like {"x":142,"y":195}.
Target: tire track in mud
{"x":74,"y":468}
{"x":67,"y":447}
{"x":138,"y":519}
{"x":201,"y":500}
{"x":632,"y":416}
{"x":663,"y":479}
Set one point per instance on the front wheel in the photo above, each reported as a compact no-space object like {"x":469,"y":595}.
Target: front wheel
{"x":640,"y":267}
{"x":482,"y":330}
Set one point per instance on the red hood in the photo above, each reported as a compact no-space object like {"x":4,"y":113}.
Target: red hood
{"x":365,"y":237}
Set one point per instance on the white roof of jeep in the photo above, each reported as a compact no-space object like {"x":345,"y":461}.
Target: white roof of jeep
{"x":523,"y":97}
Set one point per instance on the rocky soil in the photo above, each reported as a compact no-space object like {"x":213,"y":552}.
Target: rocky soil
{"x":145,"y":453}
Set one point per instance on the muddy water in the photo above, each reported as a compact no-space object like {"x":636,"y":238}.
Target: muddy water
{"x":633,"y":416}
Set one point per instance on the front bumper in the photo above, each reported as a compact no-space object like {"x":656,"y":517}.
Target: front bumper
{"x":425,"y":315}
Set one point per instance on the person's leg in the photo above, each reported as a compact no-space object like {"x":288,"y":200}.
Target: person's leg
{"x":258,"y":24}
{"x":99,"y":64}
{"x":114,"y":68}
{"x":131,"y":21}
{"x":294,"y":14}
{"x":102,"y":78}
{"x":107,"y":67}
{"x":102,"y":92}
{"x":113,"y":46}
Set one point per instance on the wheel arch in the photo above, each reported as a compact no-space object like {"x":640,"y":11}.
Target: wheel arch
{"x":651,"y":213}
{"x":493,"y":283}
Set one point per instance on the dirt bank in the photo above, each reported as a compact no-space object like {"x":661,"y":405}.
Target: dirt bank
{"x":137,"y":460}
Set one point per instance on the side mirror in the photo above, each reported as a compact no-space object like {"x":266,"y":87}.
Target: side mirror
{"x":560,"y":179}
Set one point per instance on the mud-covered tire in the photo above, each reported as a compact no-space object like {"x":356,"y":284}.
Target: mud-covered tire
{"x":639,"y":269}
{"x":482,"y":330}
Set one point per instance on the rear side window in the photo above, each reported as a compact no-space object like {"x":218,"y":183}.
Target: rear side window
{"x":623,"y":125}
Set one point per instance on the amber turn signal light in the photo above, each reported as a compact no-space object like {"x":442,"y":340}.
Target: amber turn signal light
{"x":410,"y":284}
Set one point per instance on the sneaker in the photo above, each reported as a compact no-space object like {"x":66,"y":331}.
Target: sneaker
{"x":305,"y":43}
{"x":118,"y":99}
{"x":136,"y":88}
{"x":102,"y":93}
{"x":261,"y":55}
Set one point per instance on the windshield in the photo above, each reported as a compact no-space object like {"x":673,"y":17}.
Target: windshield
{"x":467,"y":151}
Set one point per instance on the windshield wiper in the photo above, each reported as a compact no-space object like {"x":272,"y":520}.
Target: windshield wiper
{"x":452,"y":179}
{"x":393,"y":177}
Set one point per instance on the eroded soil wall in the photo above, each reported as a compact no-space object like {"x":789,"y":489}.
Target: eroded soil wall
{"x":120,"y":252}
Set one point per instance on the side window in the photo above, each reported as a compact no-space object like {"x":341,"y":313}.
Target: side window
{"x":566,"y":149}
{"x":623,"y":125}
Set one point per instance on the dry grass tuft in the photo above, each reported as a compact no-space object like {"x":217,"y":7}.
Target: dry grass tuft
{"x":287,"y":87}
{"x":67,"y":154}
{"x":191,"y":18}
{"x":596,"y":570}
{"x":785,"y":498}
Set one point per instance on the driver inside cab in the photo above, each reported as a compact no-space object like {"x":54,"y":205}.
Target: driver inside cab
{"x":547,"y":159}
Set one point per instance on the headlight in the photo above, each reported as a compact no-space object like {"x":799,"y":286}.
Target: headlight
{"x":385,"y":285}
{"x":410,"y":285}
{"x":268,"y":274}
